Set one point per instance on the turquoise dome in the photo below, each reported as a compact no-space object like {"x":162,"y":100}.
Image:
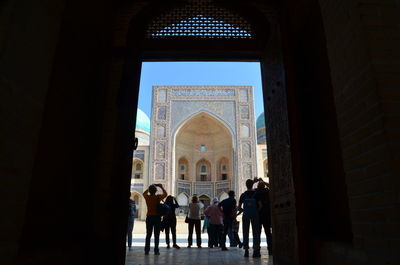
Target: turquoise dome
{"x":261,"y":133}
{"x":260,"y":123}
{"x":142,"y":121}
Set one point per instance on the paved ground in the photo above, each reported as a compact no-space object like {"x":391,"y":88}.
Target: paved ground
{"x":192,"y":256}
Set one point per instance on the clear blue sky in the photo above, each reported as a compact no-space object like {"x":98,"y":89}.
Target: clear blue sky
{"x":199,"y":73}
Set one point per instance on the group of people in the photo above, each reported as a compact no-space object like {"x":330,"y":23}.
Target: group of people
{"x":220,"y":219}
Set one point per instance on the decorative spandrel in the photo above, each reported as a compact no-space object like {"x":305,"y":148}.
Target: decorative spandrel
{"x":200,"y":19}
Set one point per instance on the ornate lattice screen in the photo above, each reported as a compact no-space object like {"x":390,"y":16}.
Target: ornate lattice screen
{"x":199,"y":19}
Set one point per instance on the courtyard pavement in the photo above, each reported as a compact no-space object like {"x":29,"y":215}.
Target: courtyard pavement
{"x":192,"y":256}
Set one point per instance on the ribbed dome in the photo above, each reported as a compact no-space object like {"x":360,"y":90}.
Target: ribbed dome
{"x":142,"y":121}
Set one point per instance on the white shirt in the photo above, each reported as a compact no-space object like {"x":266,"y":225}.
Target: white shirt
{"x":194,"y":210}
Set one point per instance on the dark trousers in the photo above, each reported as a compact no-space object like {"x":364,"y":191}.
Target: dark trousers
{"x":131,"y":222}
{"x":267,"y":229}
{"x":227,"y":230}
{"x":170,"y":225}
{"x":216,"y":235}
{"x":152,"y":222}
{"x":196,"y":224}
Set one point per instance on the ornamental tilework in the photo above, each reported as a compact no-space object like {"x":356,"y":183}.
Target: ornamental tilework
{"x":160,"y":150}
{"x":246,"y":150}
{"x":162,"y":95}
{"x":160,"y":171}
{"x":161,"y":130}
{"x":162,"y":113}
{"x":203,"y":93}
{"x":243,"y":95}
{"x":244,"y":112}
{"x":247,"y":172}
{"x":182,"y":110}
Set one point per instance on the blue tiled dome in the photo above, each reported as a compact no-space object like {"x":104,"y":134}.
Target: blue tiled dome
{"x":142,"y":121}
{"x":260,"y":123}
{"x":261,"y":133}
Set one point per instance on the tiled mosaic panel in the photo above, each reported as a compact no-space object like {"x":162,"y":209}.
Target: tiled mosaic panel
{"x":161,"y":130}
{"x":203,"y":93}
{"x":246,"y":150}
{"x":247,"y":172}
{"x":160,"y":150}
{"x":244,"y":112}
{"x":162,"y":95}
{"x":160,"y":171}
{"x":162,"y":113}
{"x":243,"y":95}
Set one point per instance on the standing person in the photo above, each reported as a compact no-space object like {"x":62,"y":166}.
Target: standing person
{"x":170,"y":221}
{"x":250,"y":215}
{"x":194,"y":221}
{"x":265,"y":212}
{"x":131,"y":221}
{"x":235,"y":228}
{"x":228,"y":207}
{"x":153,"y":219}
{"x":215,"y":216}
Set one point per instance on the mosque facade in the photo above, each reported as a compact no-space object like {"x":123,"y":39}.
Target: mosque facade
{"x":203,"y":141}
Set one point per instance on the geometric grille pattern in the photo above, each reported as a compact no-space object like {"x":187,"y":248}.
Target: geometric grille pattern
{"x":199,"y":19}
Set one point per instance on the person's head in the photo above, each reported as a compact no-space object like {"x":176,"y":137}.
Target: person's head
{"x":261,"y":185}
{"x":249,"y":184}
{"x":169,"y":200}
{"x":231,"y":193}
{"x":152,"y":189}
{"x":195,"y":199}
{"x":215,"y":200}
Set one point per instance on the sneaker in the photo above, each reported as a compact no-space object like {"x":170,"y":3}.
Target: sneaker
{"x":198,"y":246}
{"x":246,"y":253}
{"x":240,"y":245}
{"x":189,"y":246}
{"x":224,"y":249}
{"x":256,"y":254}
{"x":157,"y":253}
{"x":168,"y":246}
{"x":176,"y":246}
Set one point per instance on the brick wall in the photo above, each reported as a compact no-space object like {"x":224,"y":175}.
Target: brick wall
{"x":362,"y":42}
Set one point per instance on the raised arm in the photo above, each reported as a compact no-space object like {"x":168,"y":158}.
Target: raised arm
{"x":146,"y":193}
{"x":164,"y":195}
{"x":176,"y":203}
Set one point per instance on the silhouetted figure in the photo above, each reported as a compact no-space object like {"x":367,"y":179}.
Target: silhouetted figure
{"x":265,"y":212}
{"x":235,"y":228}
{"x":215,"y":218}
{"x":131,"y":221}
{"x":153,"y":219}
{"x":228,"y":207}
{"x":194,"y":219}
{"x":250,"y":209}
{"x":169,"y":221}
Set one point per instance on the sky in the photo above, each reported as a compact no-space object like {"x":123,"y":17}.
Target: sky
{"x":199,"y":73}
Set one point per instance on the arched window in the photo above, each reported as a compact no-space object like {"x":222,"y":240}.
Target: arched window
{"x":182,"y":171}
{"x":137,"y":169}
{"x":203,"y":169}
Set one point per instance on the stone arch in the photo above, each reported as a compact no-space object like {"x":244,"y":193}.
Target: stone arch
{"x":137,"y":168}
{"x":183,"y":169}
{"x":141,"y":207}
{"x":205,"y":199}
{"x":183,"y":199}
{"x":223,"y":169}
{"x":203,"y":170}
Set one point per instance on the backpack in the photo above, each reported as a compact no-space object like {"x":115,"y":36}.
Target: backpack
{"x":250,"y":208}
